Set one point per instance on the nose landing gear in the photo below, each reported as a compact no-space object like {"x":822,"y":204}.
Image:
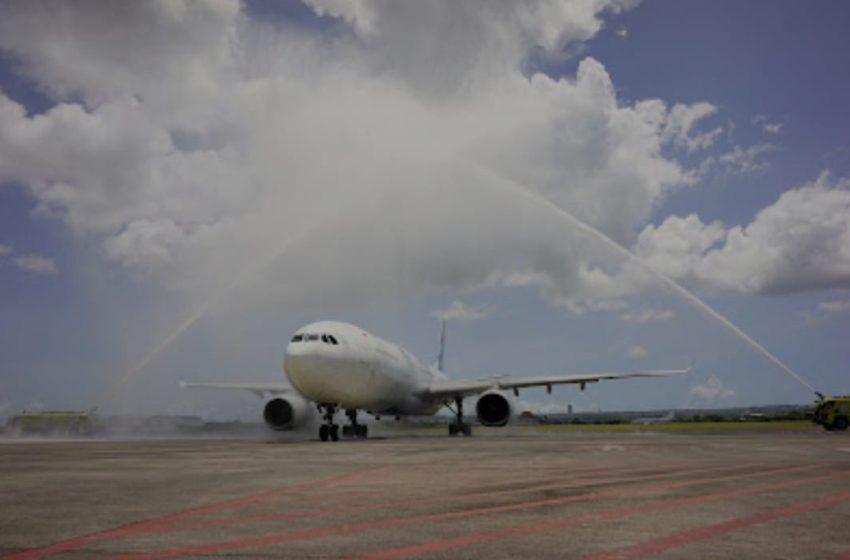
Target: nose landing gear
{"x":328,"y":430}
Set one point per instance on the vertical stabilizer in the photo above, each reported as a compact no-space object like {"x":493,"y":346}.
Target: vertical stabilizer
{"x":442,"y":354}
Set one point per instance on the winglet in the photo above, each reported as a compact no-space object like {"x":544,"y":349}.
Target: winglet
{"x":691,"y":366}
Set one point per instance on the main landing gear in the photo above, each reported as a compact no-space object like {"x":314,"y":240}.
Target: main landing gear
{"x":330,"y":431}
{"x":354,"y":430}
{"x":458,"y":426}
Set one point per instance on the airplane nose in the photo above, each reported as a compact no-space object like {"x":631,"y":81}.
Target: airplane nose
{"x":302,"y":363}
{"x":295,"y":349}
{"x":298,"y":357}
{"x":309,"y":372}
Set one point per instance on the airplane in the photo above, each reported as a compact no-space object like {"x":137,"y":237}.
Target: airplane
{"x":339,"y":366}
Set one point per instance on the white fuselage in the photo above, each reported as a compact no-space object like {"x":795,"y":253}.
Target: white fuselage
{"x":331,"y":362}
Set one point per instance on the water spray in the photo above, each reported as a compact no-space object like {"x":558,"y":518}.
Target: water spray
{"x":583,"y":227}
{"x":668,"y":282}
{"x":202,"y":310}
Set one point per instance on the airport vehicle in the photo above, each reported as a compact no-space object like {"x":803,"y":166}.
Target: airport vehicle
{"x":833,"y":413}
{"x":52,"y":422}
{"x":339,"y":366}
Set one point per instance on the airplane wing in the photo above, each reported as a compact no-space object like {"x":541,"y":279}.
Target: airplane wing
{"x":259,"y":389}
{"x":464,"y":387}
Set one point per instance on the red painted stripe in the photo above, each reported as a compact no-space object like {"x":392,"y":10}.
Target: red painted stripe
{"x":555,"y":475}
{"x":425,"y":487}
{"x":843,"y":556}
{"x":303,"y":514}
{"x":415,"y":496}
{"x":687,"y":537}
{"x":523,"y":530}
{"x":423,"y":483}
{"x":162,"y":523}
{"x":166,"y":523}
{"x":398,"y":522}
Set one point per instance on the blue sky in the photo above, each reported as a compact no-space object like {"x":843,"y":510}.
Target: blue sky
{"x":784,"y":60}
{"x":306,"y":161}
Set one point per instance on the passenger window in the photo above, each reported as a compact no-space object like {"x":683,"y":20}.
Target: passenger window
{"x":297,"y":338}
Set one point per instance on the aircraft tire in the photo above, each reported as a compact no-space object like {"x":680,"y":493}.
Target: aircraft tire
{"x":452,"y":430}
{"x":362,"y":431}
{"x":323,"y":432}
{"x":840,"y":423}
{"x":334,"y":429}
{"x":466,"y":429}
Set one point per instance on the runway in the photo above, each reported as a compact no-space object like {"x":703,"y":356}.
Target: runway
{"x":504,"y":495}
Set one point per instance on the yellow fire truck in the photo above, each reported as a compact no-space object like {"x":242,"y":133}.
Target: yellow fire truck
{"x":833,"y":413}
{"x":58,"y":422}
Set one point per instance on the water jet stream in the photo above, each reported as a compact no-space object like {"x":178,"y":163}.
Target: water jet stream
{"x":668,"y":282}
{"x":201,"y":311}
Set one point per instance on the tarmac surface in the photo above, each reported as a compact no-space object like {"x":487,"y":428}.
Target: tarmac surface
{"x":495,"y":496}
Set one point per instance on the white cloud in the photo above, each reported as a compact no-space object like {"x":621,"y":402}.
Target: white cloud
{"x":648,"y":315}
{"x":678,"y":126}
{"x":835,"y":306}
{"x":459,"y":311}
{"x":36,"y":264}
{"x":151,"y":51}
{"x":145,"y":243}
{"x":770,"y":128}
{"x":737,"y":162}
{"x":191,"y":142}
{"x":713,"y":391}
{"x":477,"y":40}
{"x":636,"y":352}
{"x":799,"y":243}
{"x":5,"y":249}
{"x":742,"y":161}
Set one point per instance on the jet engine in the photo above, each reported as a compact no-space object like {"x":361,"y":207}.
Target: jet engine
{"x":494,"y":409}
{"x":286,"y":412}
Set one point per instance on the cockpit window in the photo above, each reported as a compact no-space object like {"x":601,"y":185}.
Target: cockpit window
{"x":309,"y":337}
